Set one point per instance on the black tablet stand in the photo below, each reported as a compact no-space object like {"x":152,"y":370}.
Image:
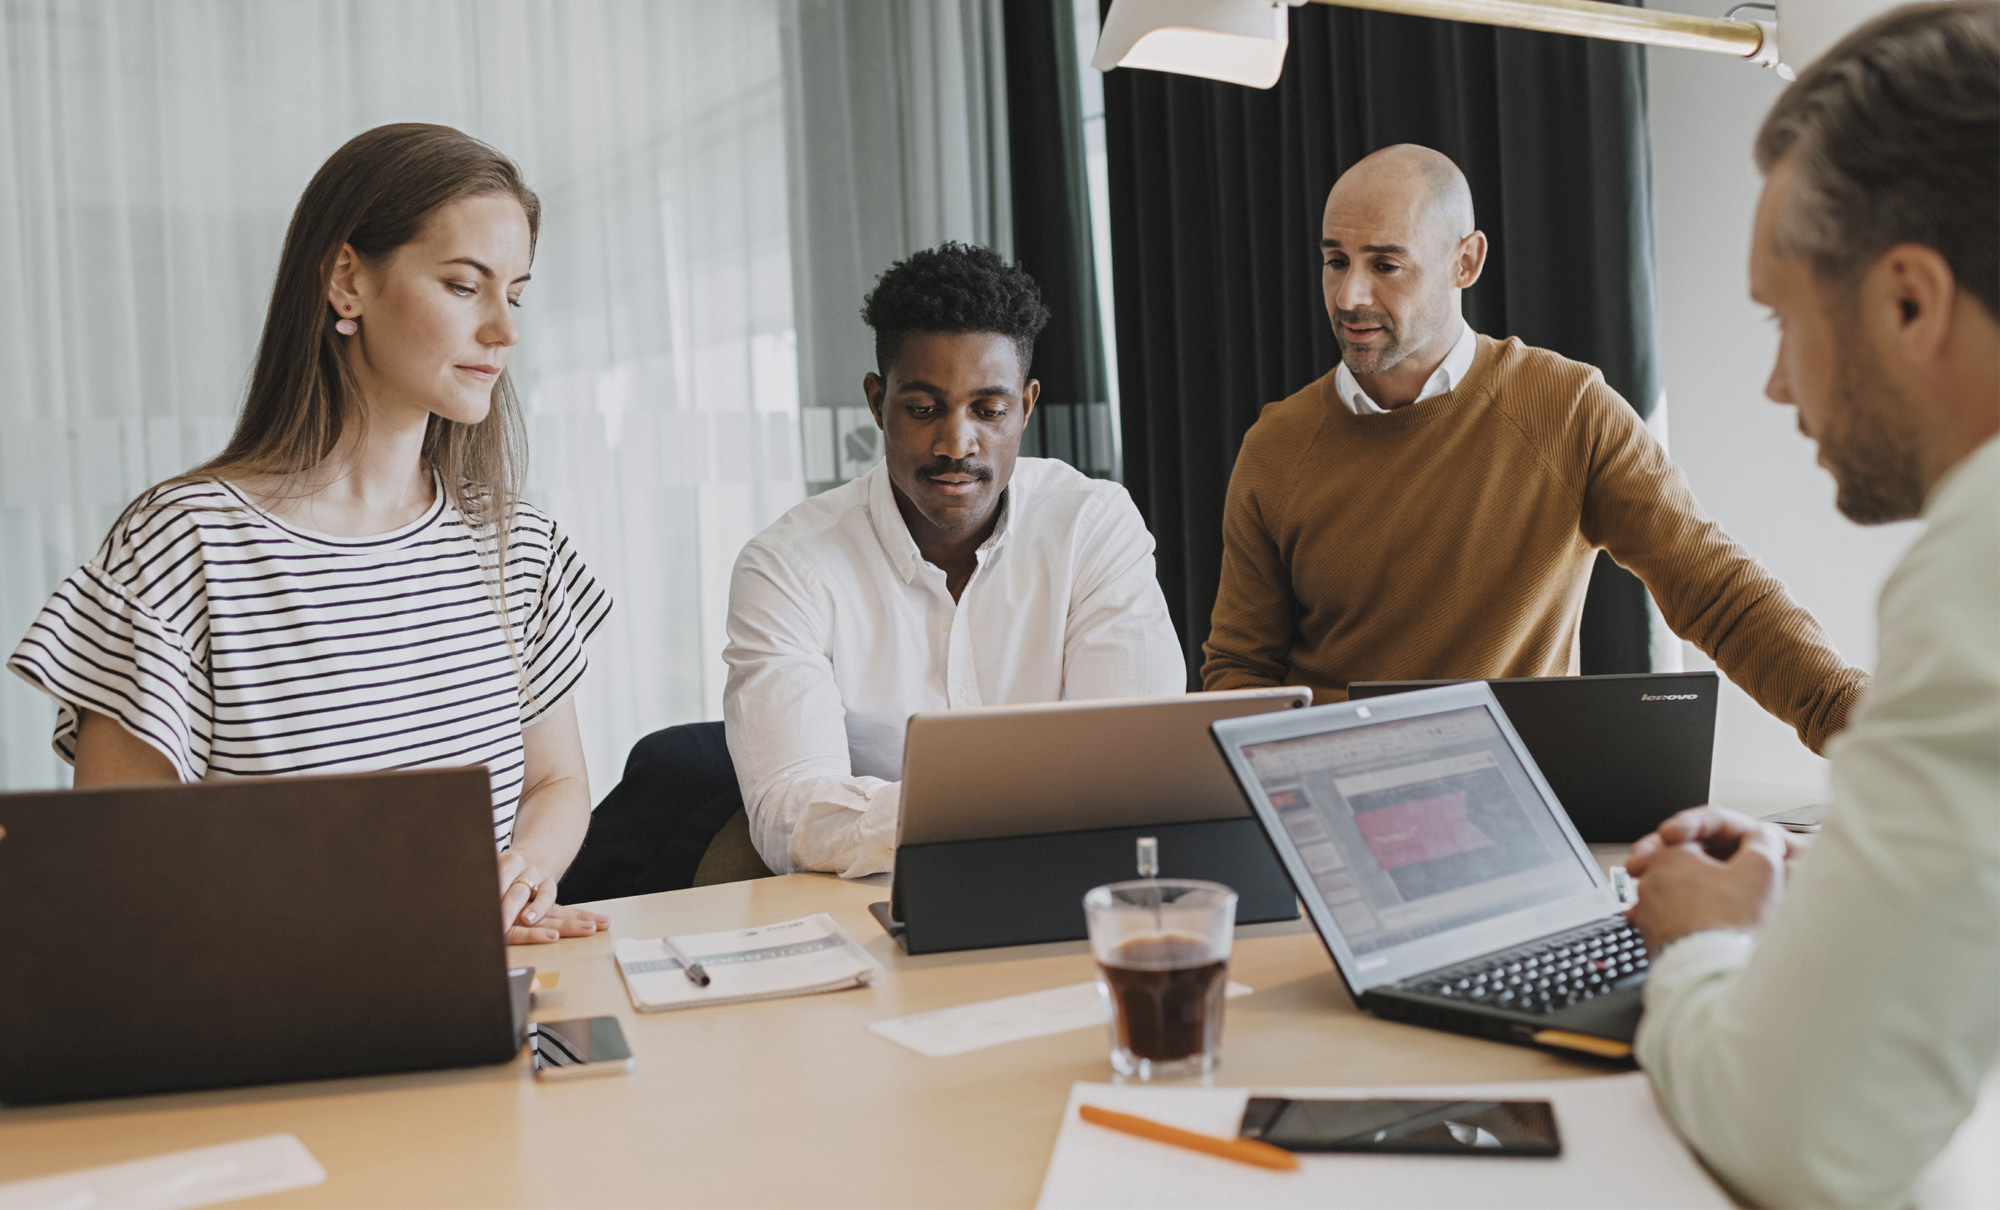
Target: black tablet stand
{"x":1022,"y":890}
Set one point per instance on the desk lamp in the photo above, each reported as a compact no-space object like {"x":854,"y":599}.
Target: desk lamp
{"x":1243,"y":41}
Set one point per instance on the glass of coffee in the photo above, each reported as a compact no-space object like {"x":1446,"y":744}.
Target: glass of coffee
{"x":1162,"y":947}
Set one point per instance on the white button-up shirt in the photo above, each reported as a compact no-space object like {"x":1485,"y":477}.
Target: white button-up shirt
{"x":1825,"y":1062}
{"x":1450,"y":372}
{"x":839,"y":630}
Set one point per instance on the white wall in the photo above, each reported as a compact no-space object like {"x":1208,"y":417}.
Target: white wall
{"x":1749,"y":464}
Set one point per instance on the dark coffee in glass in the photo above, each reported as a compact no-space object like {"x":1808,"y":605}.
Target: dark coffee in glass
{"x":1166,"y":994}
{"x":1162,"y":948}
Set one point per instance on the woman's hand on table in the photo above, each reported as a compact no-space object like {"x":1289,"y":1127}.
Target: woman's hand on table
{"x":528,"y":909}
{"x":562,"y":921}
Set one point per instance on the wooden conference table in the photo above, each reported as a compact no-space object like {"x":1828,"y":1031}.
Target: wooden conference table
{"x":779,"y":1103}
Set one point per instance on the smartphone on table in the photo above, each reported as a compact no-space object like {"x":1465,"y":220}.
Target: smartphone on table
{"x":583,"y":1046}
{"x":1526,"y":1128}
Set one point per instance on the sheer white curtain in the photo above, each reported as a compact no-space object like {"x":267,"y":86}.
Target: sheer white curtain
{"x":898,"y":137}
{"x":150,"y":154}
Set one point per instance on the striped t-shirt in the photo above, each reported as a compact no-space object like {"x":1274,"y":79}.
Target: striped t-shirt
{"x":240,"y":645}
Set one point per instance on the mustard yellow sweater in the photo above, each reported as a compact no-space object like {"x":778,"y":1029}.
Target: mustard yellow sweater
{"x":1454,"y":538}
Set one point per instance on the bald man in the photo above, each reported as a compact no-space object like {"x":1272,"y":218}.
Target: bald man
{"x":1432,"y":507}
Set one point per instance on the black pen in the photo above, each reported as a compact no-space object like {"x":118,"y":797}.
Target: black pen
{"x":689,"y":966}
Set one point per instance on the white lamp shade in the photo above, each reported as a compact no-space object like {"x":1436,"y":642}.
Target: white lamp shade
{"x":1236,"y":41}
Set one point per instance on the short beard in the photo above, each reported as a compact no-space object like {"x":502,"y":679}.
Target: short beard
{"x":1869,"y":443}
{"x":1423,"y":326}
{"x":1371,"y":361}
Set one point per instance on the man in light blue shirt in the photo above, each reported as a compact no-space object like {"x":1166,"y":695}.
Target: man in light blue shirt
{"x":1819,"y":1021}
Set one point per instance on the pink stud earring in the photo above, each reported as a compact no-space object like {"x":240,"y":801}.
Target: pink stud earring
{"x":347,"y":327}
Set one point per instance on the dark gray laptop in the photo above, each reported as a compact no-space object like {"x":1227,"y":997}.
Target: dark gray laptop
{"x":243,"y":932}
{"x":1448,"y":885}
{"x":1622,"y":752}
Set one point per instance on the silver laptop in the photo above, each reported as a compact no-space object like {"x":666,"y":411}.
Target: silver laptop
{"x":1073,"y":766}
{"x":1010,"y":813}
{"x":1446,"y":881}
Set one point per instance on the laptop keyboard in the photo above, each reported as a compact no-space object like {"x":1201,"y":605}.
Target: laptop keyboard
{"x":1547,"y":976}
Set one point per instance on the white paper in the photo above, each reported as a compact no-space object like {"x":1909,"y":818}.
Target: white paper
{"x":176,"y":1181}
{"x":953,"y":1031}
{"x":792,"y":958}
{"x":1618,"y":1151}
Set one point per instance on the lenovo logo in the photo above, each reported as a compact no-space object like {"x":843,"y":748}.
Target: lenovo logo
{"x":1670,"y":697}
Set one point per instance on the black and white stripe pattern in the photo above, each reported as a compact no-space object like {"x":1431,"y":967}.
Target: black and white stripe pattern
{"x":240,"y":646}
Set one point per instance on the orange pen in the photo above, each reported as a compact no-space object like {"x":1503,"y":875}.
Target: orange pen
{"x":1243,"y":1151}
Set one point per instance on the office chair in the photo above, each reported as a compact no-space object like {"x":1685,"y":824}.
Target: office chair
{"x":665,"y":822}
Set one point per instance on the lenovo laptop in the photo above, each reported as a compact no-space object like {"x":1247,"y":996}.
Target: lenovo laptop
{"x":244,"y":932}
{"x":1621,"y":752}
{"x":1447,"y":883}
{"x":1010,"y":813}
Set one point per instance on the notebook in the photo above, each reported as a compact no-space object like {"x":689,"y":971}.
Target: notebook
{"x":794,"y":958}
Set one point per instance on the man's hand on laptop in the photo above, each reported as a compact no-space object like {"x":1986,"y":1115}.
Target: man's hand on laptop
{"x":1708,"y":868}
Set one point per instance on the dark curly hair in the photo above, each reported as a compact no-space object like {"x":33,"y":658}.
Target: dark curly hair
{"x":954,"y":287}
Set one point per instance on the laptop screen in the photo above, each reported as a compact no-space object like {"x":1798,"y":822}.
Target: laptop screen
{"x":1416,"y":826}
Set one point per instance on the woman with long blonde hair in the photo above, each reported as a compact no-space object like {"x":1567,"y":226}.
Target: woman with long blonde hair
{"x":354,"y":583}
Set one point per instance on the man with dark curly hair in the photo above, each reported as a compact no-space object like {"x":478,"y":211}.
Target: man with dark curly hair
{"x":956,"y":573}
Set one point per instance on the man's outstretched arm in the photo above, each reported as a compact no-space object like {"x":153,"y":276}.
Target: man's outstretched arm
{"x":1638,"y":506}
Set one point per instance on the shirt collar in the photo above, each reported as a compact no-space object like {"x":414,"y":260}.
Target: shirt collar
{"x":1444,"y":379}
{"x":894,"y":533}
{"x":998,"y":538}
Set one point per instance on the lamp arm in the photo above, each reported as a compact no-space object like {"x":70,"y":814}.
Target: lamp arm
{"x":1615,"y":22}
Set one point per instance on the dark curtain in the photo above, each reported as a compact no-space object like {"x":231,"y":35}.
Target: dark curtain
{"x":1216,"y":195}
{"x":1052,"y":234}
